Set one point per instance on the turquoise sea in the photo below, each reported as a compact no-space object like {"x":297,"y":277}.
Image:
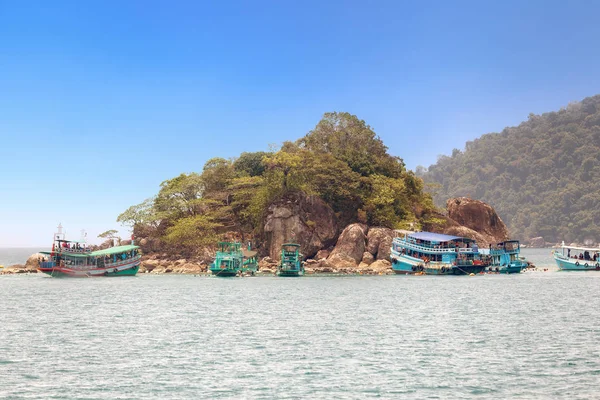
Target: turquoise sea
{"x":529,"y":336}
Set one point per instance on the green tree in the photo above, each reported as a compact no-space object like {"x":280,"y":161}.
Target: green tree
{"x":351,"y":140}
{"x":251,"y":164}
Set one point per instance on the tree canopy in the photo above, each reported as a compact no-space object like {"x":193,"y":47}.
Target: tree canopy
{"x":342,"y":161}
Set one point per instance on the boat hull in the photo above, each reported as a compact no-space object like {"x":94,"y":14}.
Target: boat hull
{"x":404,"y":267}
{"x":454,"y":270}
{"x":61,"y":272}
{"x":224,"y":272}
{"x":573,"y":264}
{"x":510,"y":269}
{"x":289,"y":273}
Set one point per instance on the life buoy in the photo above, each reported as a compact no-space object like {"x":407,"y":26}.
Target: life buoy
{"x":105,"y":273}
{"x":586,"y":265}
{"x":597,"y":265}
{"x":414,"y":268}
{"x":577,"y":263}
{"x":420,"y":268}
{"x":443,"y":269}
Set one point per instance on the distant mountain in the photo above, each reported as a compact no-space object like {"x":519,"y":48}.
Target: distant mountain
{"x":542,"y":177}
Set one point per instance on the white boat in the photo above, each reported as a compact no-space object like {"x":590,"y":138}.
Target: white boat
{"x":575,"y":258}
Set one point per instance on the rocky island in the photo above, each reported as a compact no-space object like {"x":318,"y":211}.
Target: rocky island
{"x":337,"y":192}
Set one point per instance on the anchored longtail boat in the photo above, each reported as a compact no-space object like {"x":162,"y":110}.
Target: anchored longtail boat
{"x":568,"y":259}
{"x":435,"y":254}
{"x":504,"y":258}
{"x":291,"y":260}
{"x":70,"y":258}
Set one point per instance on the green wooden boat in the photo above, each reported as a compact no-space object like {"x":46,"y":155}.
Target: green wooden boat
{"x":291,"y":260}
{"x":229,"y":259}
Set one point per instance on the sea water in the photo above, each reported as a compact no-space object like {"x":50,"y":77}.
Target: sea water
{"x":532,"y":335}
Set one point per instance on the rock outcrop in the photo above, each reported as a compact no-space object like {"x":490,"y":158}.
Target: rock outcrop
{"x":470,"y":218}
{"x":350,"y":247}
{"x":299,"y":218}
{"x":479,"y":217}
{"x":379,"y":242}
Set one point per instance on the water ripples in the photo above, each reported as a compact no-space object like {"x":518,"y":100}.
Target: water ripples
{"x":533,"y":335}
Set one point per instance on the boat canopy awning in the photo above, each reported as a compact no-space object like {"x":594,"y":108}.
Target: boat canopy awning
{"x":66,"y":254}
{"x":436,"y":237}
{"x":113,"y":250}
{"x":594,"y":249}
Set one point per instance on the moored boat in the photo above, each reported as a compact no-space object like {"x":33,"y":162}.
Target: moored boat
{"x":567,"y":258}
{"x":504,"y":258}
{"x":435,"y":254}
{"x":69,"y":258}
{"x":291,"y":261}
{"x":229,"y":259}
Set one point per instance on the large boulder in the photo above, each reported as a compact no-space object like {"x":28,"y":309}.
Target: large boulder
{"x":379,"y":242}
{"x":322,"y":254}
{"x":479,"y":217}
{"x":299,"y":218}
{"x":367,"y":258}
{"x":33,"y":261}
{"x":350,"y":246}
{"x":470,"y":218}
{"x":381,"y":266}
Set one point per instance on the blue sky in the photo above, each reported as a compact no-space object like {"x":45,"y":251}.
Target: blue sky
{"x":100,"y":101}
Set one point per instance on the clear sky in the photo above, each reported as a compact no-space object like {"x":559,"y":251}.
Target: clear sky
{"x":100,"y":101}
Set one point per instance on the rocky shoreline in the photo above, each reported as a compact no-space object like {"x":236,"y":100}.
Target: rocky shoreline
{"x":267,"y":267}
{"x":358,"y":250}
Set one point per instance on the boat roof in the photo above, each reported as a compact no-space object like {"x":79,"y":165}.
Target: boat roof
{"x":435,"y":237}
{"x":581,"y":248}
{"x":104,"y":252}
{"x":112,"y":250}
{"x":291,"y":244}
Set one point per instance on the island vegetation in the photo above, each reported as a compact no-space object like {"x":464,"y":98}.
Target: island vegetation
{"x":542,"y":177}
{"x":341,"y":160}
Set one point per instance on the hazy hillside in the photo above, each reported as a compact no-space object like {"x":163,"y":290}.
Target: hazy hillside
{"x":543,"y":176}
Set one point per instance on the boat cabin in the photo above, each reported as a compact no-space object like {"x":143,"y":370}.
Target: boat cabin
{"x":435,"y":247}
{"x":229,"y":256}
{"x":580,"y":253}
{"x":291,"y":257}
{"x":84,"y":259}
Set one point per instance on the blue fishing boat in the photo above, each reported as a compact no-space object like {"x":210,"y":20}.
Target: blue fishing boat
{"x":435,"y":254}
{"x":291,"y":260}
{"x":574,"y":258}
{"x":504,"y":258}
